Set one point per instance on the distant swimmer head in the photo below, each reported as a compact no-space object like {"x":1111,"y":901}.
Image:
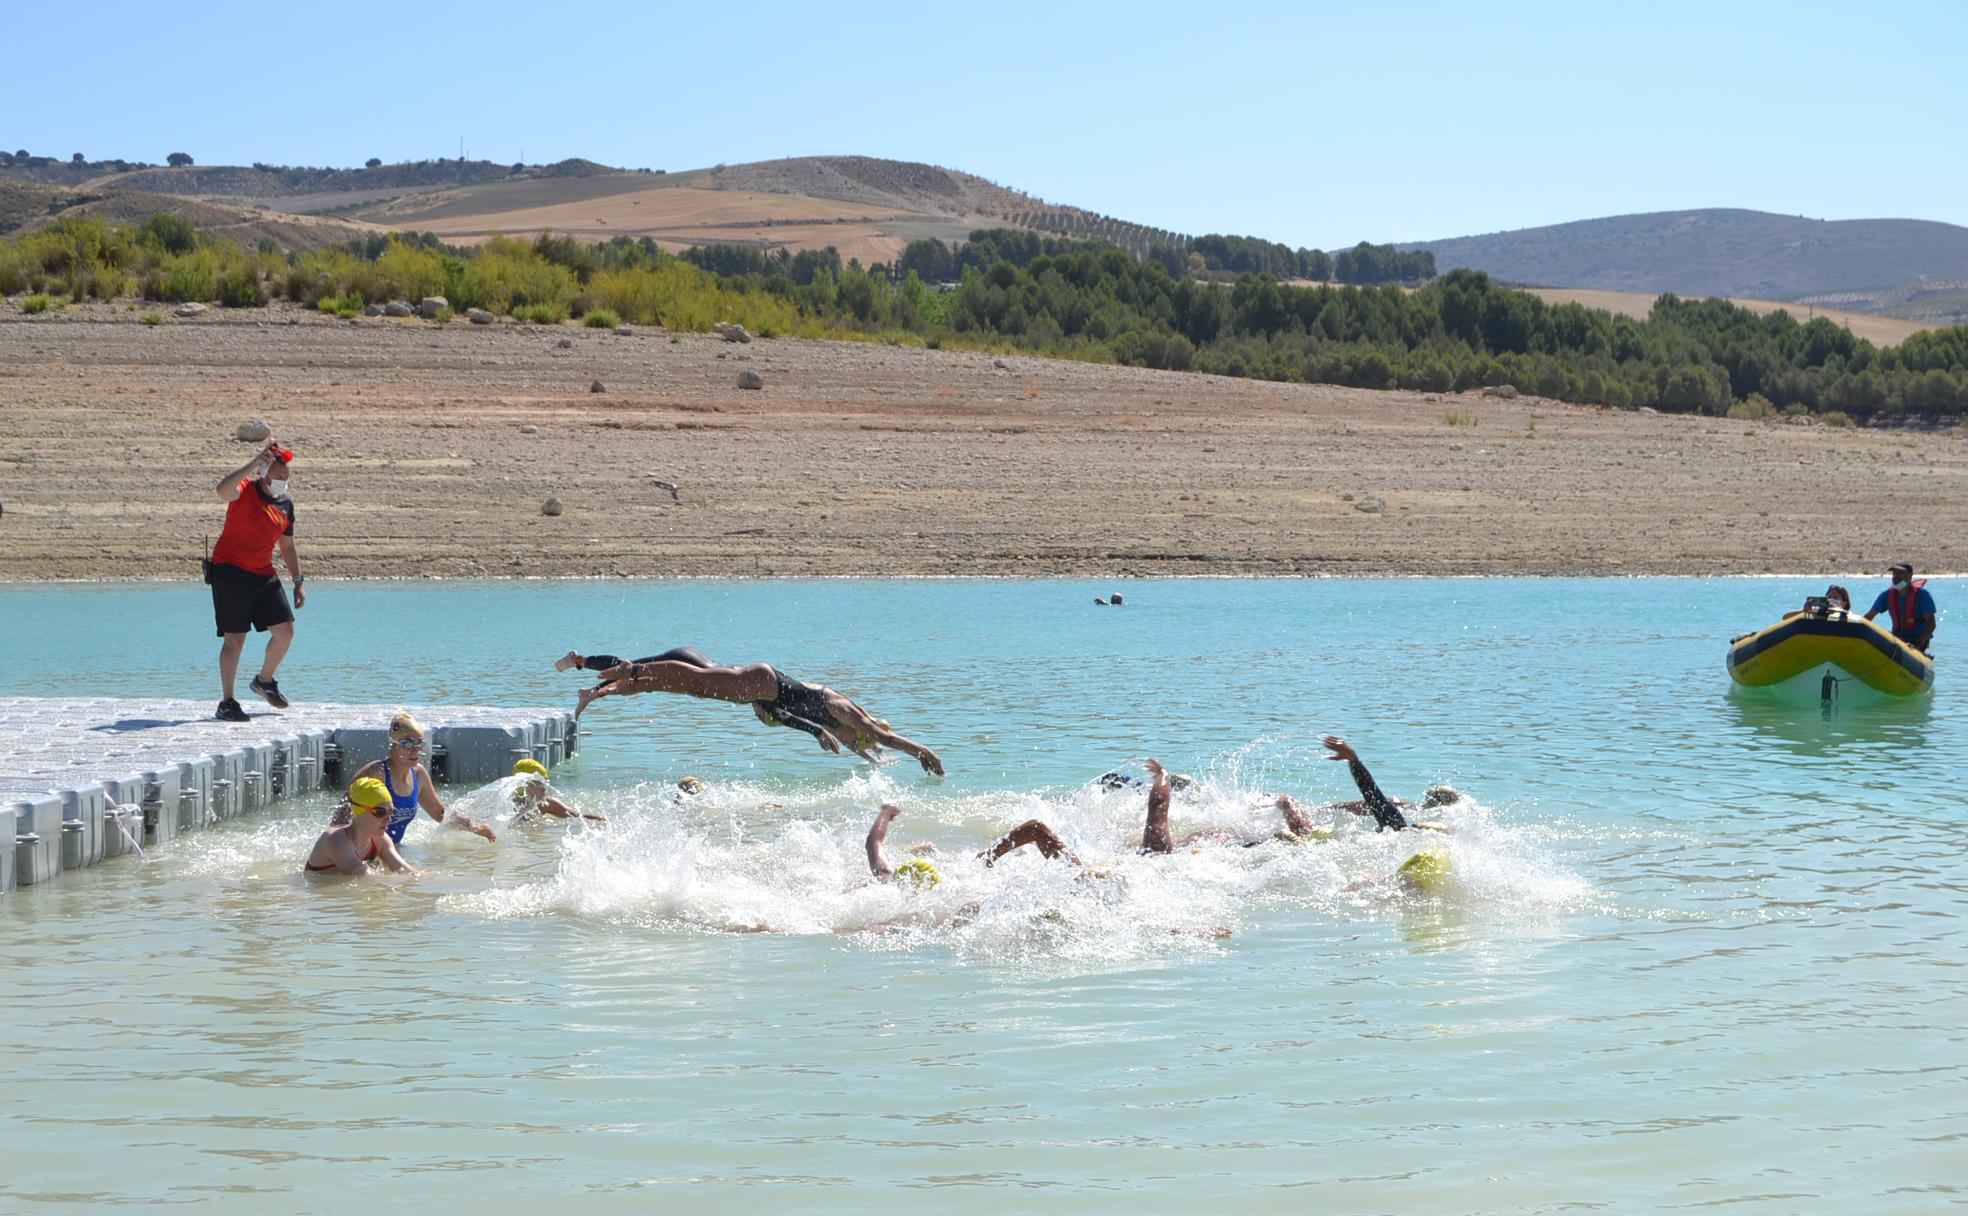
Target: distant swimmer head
{"x":368,"y":794}
{"x":691,"y":785}
{"x":1427,"y":871}
{"x":530,"y":765}
{"x":1441,"y":795}
{"x":1113,"y":781}
{"x":1180,"y":781}
{"x":918,"y":872}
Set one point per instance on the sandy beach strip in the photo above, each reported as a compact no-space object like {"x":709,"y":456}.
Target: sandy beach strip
{"x":860,"y":459}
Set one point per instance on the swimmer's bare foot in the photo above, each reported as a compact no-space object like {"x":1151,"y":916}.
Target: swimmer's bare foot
{"x":571,"y":659}
{"x":584,"y":698}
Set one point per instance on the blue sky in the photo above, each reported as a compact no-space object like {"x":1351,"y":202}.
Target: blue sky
{"x":1309,"y":124}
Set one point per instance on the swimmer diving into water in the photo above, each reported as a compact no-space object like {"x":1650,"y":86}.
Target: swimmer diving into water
{"x":777,"y":699}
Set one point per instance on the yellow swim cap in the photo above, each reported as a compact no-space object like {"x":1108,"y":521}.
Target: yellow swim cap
{"x":921,"y":873}
{"x":1426,"y":871}
{"x":530,"y":765}
{"x":367,"y":793}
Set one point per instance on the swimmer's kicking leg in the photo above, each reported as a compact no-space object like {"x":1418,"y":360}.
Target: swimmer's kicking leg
{"x":742,"y":685}
{"x":603,"y":662}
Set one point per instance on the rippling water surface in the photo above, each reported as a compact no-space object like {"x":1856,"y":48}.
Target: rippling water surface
{"x":1701,"y":950}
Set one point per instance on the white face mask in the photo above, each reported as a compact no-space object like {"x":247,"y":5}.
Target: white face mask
{"x":279,"y":489}
{"x":1900,"y":584}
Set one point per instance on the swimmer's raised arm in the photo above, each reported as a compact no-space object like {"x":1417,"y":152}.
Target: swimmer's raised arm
{"x":1386,"y":814}
{"x":1033,"y":832}
{"x":1155,"y":836}
{"x":1297,"y":822}
{"x":877,"y":837}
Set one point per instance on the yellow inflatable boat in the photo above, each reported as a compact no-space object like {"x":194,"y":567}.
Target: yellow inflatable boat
{"x":1824,"y":635}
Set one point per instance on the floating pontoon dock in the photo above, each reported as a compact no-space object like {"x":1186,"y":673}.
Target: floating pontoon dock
{"x":82,"y":780}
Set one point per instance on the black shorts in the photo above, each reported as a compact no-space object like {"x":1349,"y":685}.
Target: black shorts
{"x":242,"y":600}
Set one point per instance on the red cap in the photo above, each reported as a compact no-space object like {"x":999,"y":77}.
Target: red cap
{"x":284,"y":455}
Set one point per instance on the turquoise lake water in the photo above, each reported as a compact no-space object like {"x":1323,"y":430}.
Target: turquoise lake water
{"x":1702,"y":950}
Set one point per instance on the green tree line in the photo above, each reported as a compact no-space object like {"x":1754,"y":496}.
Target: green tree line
{"x":1076,"y":301}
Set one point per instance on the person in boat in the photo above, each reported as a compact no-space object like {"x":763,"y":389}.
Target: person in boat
{"x":776,"y":698}
{"x":1910,"y":606}
{"x":534,"y":799}
{"x":403,"y":774}
{"x":348,"y":848}
{"x":1835,"y":597}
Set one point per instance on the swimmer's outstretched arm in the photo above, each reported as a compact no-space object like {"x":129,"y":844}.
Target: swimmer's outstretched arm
{"x":1386,"y":814}
{"x":931,"y":762}
{"x":859,"y":723}
{"x":1033,"y":832}
{"x":561,"y":810}
{"x":877,"y":837}
{"x":1155,"y":836}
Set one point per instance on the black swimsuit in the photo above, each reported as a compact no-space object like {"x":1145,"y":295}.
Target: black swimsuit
{"x":798,"y":699}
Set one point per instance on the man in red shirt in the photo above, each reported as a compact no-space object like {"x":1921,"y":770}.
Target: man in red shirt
{"x":246,"y":593}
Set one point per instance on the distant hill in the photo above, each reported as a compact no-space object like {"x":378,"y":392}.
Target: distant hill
{"x":1716,"y":252}
{"x":30,"y":205}
{"x":866,"y":207}
{"x":870,"y":208}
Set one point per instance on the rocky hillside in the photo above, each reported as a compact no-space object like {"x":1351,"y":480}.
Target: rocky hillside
{"x":1717,"y":252}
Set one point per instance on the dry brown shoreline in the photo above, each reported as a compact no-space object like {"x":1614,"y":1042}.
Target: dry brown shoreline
{"x":884,"y":461}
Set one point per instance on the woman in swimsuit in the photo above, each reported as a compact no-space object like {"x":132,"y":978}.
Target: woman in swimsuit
{"x":402,"y":773}
{"x":349,"y":848}
{"x":777,"y":699}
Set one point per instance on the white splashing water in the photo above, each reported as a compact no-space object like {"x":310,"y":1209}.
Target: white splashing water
{"x":743,"y":858}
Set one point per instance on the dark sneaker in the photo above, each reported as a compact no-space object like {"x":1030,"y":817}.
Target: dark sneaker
{"x":268,"y":691}
{"x":229,"y":711}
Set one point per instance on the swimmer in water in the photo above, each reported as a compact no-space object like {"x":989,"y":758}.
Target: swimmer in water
{"x":1155,"y":836}
{"x":533,"y":798}
{"x":922,"y":874}
{"x":403,"y":773}
{"x":348,"y":848}
{"x":776,"y":698}
{"x":1385,"y":811}
{"x":917,"y":870}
